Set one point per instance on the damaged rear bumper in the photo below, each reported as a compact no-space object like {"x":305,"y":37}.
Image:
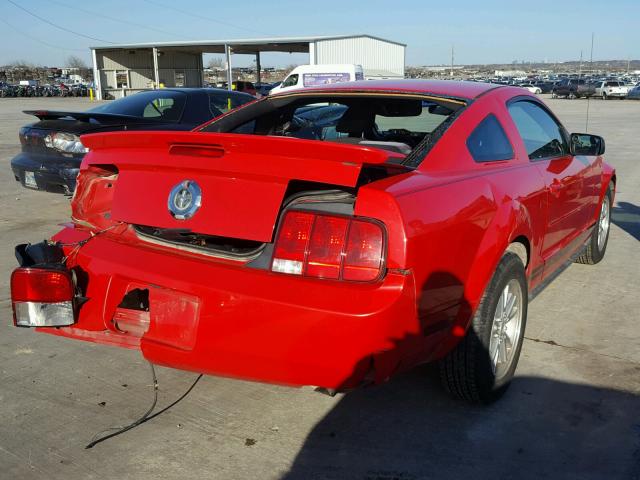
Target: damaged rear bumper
{"x":227,"y":319}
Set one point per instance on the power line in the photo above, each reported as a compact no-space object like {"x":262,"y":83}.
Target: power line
{"x":56,"y":26}
{"x":114,"y":19}
{"x":56,"y":47}
{"x":202,"y":17}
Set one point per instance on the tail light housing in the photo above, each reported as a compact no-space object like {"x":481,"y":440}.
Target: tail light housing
{"x":42,"y":297}
{"x":330,"y":247}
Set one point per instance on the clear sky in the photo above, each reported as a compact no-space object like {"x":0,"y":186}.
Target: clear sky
{"x":482,"y":31}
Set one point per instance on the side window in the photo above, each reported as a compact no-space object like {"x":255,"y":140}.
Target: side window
{"x":290,"y":81}
{"x":541,"y":134}
{"x":488,"y":142}
{"x":163,"y":109}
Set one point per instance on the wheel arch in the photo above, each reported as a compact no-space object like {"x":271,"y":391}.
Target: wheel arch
{"x":512,"y":217}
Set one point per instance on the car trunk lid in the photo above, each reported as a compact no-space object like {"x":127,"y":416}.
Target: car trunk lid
{"x":243,"y":178}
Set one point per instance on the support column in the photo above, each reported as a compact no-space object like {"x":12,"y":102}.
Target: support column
{"x":258,"y":67}
{"x":156,"y":71}
{"x":312,"y":53}
{"x":227,"y":56}
{"x":96,"y":76}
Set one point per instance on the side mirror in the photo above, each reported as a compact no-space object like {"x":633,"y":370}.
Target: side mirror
{"x":585,"y":144}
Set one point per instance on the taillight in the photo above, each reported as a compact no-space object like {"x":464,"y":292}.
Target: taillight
{"x":42,"y":297}
{"x":328,"y":246}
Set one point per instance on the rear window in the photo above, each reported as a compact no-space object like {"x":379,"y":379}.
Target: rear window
{"x":488,"y":142}
{"x":398,"y":125}
{"x":164,"y":106}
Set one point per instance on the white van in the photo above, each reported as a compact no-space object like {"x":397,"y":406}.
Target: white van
{"x":306,"y":76}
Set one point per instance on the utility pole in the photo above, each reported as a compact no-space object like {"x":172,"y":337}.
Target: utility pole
{"x":452,"y":57}
{"x":580,"y":67}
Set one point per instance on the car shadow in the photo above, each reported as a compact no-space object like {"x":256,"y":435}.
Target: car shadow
{"x":627,"y":216}
{"x":410,"y":429}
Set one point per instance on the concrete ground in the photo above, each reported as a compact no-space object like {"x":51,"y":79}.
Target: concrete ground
{"x":573,"y":411}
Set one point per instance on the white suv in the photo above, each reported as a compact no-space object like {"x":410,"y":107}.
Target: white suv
{"x":610,"y":89}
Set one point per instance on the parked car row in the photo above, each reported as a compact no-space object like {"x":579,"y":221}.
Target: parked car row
{"x":582,"y":88}
{"x":59,"y":90}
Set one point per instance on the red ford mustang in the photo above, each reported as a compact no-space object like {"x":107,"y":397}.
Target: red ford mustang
{"x":329,"y":237}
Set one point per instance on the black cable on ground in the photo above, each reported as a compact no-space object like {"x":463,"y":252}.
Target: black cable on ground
{"x":147,"y":415}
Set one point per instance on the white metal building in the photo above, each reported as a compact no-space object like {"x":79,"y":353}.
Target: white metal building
{"x":122,"y":69}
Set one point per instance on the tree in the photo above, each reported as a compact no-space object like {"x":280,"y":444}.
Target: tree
{"x":21,"y":64}
{"x":74,"y":61}
{"x":215,"y":64}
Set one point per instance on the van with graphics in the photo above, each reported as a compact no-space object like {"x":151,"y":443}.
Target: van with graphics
{"x":305,"y":76}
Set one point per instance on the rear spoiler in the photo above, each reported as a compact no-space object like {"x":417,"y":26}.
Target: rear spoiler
{"x":244,"y":155}
{"x":85,"y":116}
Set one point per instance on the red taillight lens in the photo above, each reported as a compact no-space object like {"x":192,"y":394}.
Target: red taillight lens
{"x":291,"y":247}
{"x":42,"y":297}
{"x":363,"y":253}
{"x":41,"y":285}
{"x":327,"y":246}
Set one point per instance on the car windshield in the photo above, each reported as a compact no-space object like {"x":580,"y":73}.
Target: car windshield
{"x":159,"y":105}
{"x":389,"y":123}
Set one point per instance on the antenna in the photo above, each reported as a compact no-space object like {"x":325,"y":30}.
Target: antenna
{"x":586,"y":126}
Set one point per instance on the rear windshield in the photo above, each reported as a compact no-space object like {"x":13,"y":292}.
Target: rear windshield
{"x":160,"y":105}
{"x":396,"y":124}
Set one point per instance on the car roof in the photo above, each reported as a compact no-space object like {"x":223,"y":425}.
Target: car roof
{"x":188,"y":90}
{"x":446,"y":88}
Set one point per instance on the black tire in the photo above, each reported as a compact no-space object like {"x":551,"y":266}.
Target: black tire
{"x":466,"y":372}
{"x":592,"y":253}
{"x":605,"y":96}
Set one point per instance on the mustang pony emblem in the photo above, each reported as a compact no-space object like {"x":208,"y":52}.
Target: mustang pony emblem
{"x":184,"y":200}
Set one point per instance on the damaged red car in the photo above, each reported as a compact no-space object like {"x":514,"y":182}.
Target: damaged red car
{"x":330,"y":237}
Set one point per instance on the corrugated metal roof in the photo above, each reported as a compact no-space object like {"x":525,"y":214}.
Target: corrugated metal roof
{"x":267,"y":41}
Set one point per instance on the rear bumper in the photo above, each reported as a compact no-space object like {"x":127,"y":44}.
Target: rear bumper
{"x":230,"y":320}
{"x":51,"y":176}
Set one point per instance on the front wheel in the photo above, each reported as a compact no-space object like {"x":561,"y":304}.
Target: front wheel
{"x":597,"y":244}
{"x":481,"y":367}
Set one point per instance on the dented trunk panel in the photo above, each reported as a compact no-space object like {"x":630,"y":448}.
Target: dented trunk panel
{"x":243,"y":178}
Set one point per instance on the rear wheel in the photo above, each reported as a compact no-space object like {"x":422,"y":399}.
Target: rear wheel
{"x":481,"y":367}
{"x":597,"y":245}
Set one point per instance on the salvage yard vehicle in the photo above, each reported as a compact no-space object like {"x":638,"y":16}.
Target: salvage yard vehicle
{"x":532,"y":88}
{"x":52,"y":150}
{"x":573,"y":88}
{"x":634,"y":93}
{"x":306,"y":76}
{"x":611,"y":89}
{"x":412,"y":225}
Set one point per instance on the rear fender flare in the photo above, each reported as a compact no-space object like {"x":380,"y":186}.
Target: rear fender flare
{"x":510,"y":222}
